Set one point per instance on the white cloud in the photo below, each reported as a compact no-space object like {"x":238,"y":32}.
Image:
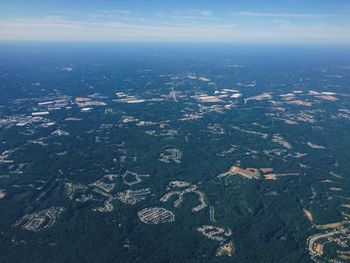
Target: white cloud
{"x":113,"y":12}
{"x":185,"y":16}
{"x":206,"y":13}
{"x":279,"y":15}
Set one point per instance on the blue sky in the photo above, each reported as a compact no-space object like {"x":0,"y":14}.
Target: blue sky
{"x":173,"y":21}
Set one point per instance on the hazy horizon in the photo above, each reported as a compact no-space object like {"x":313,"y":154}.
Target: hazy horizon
{"x":181,"y":21}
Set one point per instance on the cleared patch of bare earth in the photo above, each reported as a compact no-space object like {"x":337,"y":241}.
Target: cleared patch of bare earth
{"x":263,"y":96}
{"x":315,"y":146}
{"x":331,"y":225}
{"x":254,"y":173}
{"x":2,"y":193}
{"x":308,"y":215}
{"x":208,"y":99}
{"x":290,"y":122}
{"x":263,"y":135}
{"x":327,"y":97}
{"x":300,"y":102}
{"x":279,"y":139}
{"x":272,"y":193}
{"x":270,"y":176}
{"x":248,"y":173}
{"x":225,"y":250}
{"x":336,"y":189}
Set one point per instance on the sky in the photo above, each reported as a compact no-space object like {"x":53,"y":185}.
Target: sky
{"x":300,"y":21}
